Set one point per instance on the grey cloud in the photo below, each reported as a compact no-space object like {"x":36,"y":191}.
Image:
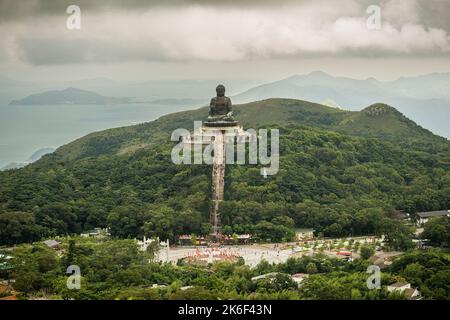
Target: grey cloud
{"x":432,"y":13}
{"x":47,"y":51}
{"x":44,"y":52}
{"x":24,"y":9}
{"x":194,"y":33}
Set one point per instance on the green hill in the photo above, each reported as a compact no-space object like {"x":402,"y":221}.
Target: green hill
{"x":341,"y":173}
{"x":381,"y":120}
{"x":390,"y":125}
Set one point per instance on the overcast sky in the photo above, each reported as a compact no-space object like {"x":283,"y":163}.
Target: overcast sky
{"x":138,"y":40}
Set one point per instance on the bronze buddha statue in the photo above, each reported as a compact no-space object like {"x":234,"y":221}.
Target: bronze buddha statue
{"x":220,"y":108}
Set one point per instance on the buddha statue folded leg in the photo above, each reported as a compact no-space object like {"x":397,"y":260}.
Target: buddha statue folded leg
{"x":224,"y":117}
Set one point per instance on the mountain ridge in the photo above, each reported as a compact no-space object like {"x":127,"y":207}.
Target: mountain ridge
{"x":393,"y":126}
{"x":425,"y":99}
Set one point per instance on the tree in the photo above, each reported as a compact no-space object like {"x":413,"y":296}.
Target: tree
{"x":70,"y":252}
{"x":196,"y":293}
{"x":366,"y":251}
{"x":323,"y":288}
{"x":429,"y":270}
{"x":59,"y":218}
{"x":266,"y":230}
{"x":19,"y":227}
{"x":311,"y":268}
{"x":206,"y":228}
{"x":276,"y":283}
{"x":437,"y":231}
{"x":415,"y":273}
{"x":263,"y":267}
{"x":34,"y":268}
{"x":227,"y":230}
{"x":398,"y":235}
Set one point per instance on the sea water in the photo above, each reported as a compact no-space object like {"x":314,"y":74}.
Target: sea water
{"x":26,"y":129}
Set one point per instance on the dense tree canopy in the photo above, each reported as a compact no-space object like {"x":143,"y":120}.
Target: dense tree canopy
{"x":428,"y":270}
{"x":338,"y":184}
{"x":437,"y":231}
{"x":116,"y":269}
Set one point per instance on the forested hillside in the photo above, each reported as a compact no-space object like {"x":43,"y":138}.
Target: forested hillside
{"x":341,"y":173}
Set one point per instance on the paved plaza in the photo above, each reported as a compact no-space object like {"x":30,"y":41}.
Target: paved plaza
{"x":254,"y":253}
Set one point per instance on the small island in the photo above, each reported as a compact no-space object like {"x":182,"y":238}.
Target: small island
{"x":69,"y":96}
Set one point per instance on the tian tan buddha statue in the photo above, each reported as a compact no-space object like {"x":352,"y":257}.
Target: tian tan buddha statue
{"x":220,"y":108}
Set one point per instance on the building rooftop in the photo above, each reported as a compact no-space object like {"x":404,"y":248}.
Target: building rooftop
{"x":398,"y":284}
{"x":409,"y":293}
{"x":304,"y":230}
{"x":51,"y":243}
{"x":271,"y":274}
{"x":428,"y":214}
{"x":6,"y":288}
{"x":400,"y":214}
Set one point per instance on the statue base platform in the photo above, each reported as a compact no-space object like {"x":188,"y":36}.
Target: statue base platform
{"x":220,"y":124}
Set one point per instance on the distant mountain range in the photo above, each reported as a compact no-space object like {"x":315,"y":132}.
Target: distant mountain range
{"x":351,"y":93}
{"x":34,"y":157}
{"x":141,"y":90}
{"x":69,"y":96}
{"x":424,"y":99}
